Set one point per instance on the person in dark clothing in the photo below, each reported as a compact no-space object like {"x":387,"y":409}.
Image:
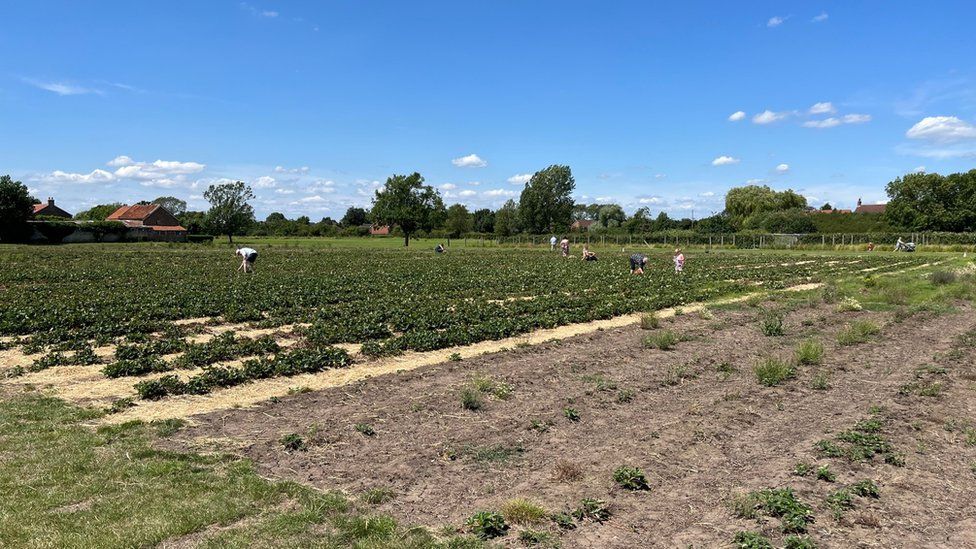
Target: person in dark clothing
{"x":637,"y":263}
{"x":440,"y":249}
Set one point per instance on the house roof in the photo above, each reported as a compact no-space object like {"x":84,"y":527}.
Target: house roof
{"x":165,"y":228}
{"x":137,"y":212}
{"x":582,"y":223}
{"x":39,"y":207}
{"x":870,"y":208}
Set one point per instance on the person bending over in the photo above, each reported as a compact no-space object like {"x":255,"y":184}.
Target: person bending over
{"x":637,"y":264}
{"x":248,"y":256}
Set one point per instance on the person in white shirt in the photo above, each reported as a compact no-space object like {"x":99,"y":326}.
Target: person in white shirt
{"x":552,"y":243}
{"x":248,"y":256}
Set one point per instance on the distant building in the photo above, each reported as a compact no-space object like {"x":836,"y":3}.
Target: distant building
{"x":149,"y":222}
{"x":581,"y":225}
{"x":869,"y":208}
{"x":830,"y":211}
{"x":379,"y":230}
{"x":50,"y":209}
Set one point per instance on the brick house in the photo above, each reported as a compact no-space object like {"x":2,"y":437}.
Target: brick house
{"x":379,"y":230}
{"x":149,"y":222}
{"x":869,"y":208}
{"x":50,"y":209}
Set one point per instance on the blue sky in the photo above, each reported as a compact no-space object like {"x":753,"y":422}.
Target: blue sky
{"x":314,"y":103}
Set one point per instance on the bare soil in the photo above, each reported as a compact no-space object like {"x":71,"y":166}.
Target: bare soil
{"x":700,"y":434}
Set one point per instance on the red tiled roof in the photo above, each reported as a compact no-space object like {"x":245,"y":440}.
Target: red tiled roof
{"x":582,"y":223}
{"x":870,"y":208}
{"x":165,"y":228}
{"x":379,"y":230}
{"x":137,"y":212}
{"x":39,"y":207}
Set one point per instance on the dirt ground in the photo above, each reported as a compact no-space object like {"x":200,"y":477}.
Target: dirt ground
{"x":697,"y":422}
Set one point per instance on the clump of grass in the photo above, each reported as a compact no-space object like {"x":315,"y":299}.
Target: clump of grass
{"x":725,"y":368}
{"x":294,"y":442}
{"x":676,"y":373}
{"x":809,"y":352}
{"x":925,"y":389}
{"x":824,"y":473}
{"x":649,"y":321}
{"x":861,"y":443}
{"x":829,"y":293}
{"x":455,"y":357}
{"x":365,"y":429}
{"x":120,"y":404}
{"x":166,"y":427}
{"x":705,"y":313}
{"x":625,"y":395}
{"x":798,"y":542}
{"x":471,"y":400}
{"x":664,"y":340}
{"x":858,"y":332}
{"x":849,"y":304}
{"x":631,"y":478}
{"x":943,"y":277}
{"x":378,"y":495}
{"x":489,"y":386}
{"x":298,"y":390}
{"x":487,"y":525}
{"x":751,"y":540}
{"x":820,"y":381}
{"x":523,"y":511}
{"x":771,"y":323}
{"x":596,"y":510}
{"x":571,"y":414}
{"x":537,"y":537}
{"x":566,"y":471}
{"x":772,"y":371}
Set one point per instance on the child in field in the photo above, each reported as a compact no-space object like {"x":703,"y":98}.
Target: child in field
{"x":249,"y":256}
{"x":637,"y":264}
{"x":587,"y":254}
{"x":679,"y":260}
{"x":440,"y":249}
{"x":564,"y":246}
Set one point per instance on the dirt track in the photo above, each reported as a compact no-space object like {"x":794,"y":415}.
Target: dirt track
{"x":700,"y":436}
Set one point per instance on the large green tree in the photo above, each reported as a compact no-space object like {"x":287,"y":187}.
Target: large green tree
{"x":507,"y":219}
{"x":99,"y":212}
{"x":16,"y":207}
{"x":458,"y":220}
{"x":355,"y":217}
{"x":546,"y":204}
{"x":933,"y":202}
{"x":406,"y":202}
{"x":483,"y":221}
{"x":172,"y":204}
{"x":611,"y":216}
{"x":741,"y":203}
{"x":230,"y":212}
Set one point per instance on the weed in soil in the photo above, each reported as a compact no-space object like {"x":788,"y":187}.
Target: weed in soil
{"x":625,"y":395}
{"x":780,"y":502}
{"x":802,"y":469}
{"x":809,"y":352}
{"x":294,"y":442}
{"x":820,"y":381}
{"x":771,"y":323}
{"x":649,"y":321}
{"x":664,"y":340}
{"x":858,"y":332}
{"x":566,"y":471}
{"x":471,"y":400}
{"x":166,"y":427}
{"x":572,"y":414}
{"x":798,"y":542}
{"x":824,"y":473}
{"x":365,"y":429}
{"x":378,"y":495}
{"x":523,"y":511}
{"x":772,"y":371}
{"x":631,"y":478}
{"x":865,"y":488}
{"x":839,"y":501}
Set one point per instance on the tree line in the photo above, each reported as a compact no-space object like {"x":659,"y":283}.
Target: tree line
{"x":917,"y":202}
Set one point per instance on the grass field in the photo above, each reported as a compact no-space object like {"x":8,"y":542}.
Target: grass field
{"x":382,"y":397}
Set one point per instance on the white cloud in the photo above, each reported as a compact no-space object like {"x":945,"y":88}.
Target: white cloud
{"x":448,"y":186}
{"x":284,"y":191}
{"x":309,"y":200}
{"x":469,"y":161}
{"x":62,"y":88}
{"x":919,"y":169}
{"x":160,"y":171}
{"x":825,"y":107}
{"x":825,"y":123}
{"x":856,"y":118}
{"x":821,"y":18}
{"x":776,"y":21}
{"x":942,"y":129}
{"x":120,"y":161}
{"x":604,"y":199}
{"x":264,"y":182}
{"x":755,"y":181}
{"x":474,"y":183}
{"x":659,"y":176}
{"x":320,"y":185}
{"x":707,"y":194}
{"x":467,"y":192}
{"x":736,"y":116}
{"x":95,"y":176}
{"x":520,"y":178}
{"x":724,"y":161}
{"x":495,"y":192}
{"x":298,"y":171}
{"x":652,"y":200}
{"x":783,"y":168}
{"x":269,"y":13}
{"x":768,"y":117}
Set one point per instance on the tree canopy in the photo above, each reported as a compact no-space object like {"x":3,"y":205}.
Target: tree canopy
{"x":933,"y":202}
{"x":230,"y":212}
{"x":546,"y":203}
{"x":458,"y":220}
{"x":99,"y":212}
{"x":355,"y":217}
{"x":406,"y":202}
{"x":16,"y":207}
{"x":507,"y":219}
{"x":742,"y":203}
{"x":172,"y":204}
